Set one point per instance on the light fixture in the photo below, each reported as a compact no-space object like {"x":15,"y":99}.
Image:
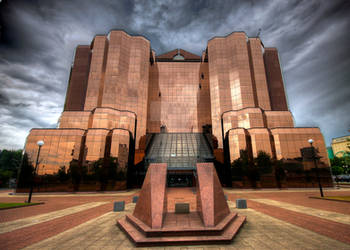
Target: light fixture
{"x":39,"y":143}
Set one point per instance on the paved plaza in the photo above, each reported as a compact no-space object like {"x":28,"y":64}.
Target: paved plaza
{"x":276,"y":219}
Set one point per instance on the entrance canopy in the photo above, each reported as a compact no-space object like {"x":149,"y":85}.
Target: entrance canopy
{"x":181,"y":151}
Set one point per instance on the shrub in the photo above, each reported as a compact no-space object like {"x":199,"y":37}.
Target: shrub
{"x":75,"y":172}
{"x":263,"y":162}
{"x":26,"y":173}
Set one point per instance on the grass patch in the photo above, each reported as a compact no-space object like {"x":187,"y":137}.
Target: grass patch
{"x":339,"y":198}
{"x":15,"y":205}
{"x":334,"y":198}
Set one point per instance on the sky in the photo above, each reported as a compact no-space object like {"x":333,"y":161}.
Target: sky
{"x":38,"y":38}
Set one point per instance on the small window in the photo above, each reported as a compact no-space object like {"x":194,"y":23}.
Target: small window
{"x":200,"y":86}
{"x":160,"y":94}
{"x":202,"y":76}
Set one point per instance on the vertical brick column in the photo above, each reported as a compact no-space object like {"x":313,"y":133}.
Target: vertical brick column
{"x":96,"y":75}
{"x":275,"y":80}
{"x":76,"y":91}
{"x":257,"y":69}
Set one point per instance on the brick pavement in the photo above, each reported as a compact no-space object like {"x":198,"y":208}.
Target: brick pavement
{"x":20,"y":238}
{"x":268,"y":226}
{"x":54,"y":202}
{"x":333,"y":216}
{"x":295,"y":196}
{"x":260,"y":232}
{"x":29,"y":221}
{"x":325,"y":227}
{"x":31,"y":233}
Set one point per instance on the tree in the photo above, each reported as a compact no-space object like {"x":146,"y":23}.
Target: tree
{"x":5,"y":176}
{"x":337,"y":161}
{"x":105,"y":169}
{"x":26,"y":173}
{"x":280,"y":174}
{"x":263,"y":162}
{"x":245,"y":165}
{"x":9,"y":164}
{"x":239,"y":167}
{"x":10,"y":159}
{"x":336,"y":170}
{"x":101,"y":172}
{"x":338,"y":165}
{"x":76,"y":172}
{"x":63,"y":176}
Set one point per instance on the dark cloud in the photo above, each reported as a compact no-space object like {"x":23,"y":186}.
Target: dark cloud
{"x":4,"y":100}
{"x":38,"y":39}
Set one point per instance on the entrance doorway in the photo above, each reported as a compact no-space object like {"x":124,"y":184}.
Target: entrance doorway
{"x":180,"y":179}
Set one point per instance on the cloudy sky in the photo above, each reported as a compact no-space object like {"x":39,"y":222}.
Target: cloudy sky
{"x":38,"y":39}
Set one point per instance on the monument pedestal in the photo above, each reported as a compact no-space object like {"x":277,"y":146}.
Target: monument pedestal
{"x":152,"y":225}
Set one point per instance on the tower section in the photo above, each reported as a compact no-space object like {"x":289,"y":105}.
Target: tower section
{"x":178,"y":99}
{"x":105,"y":112}
{"x":249,"y":108}
{"x":125,"y":84}
{"x":76,"y":91}
{"x":229,"y":76}
{"x":275,"y":80}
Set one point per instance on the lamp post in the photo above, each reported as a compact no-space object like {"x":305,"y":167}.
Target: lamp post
{"x":40,"y":144}
{"x":314,"y":159}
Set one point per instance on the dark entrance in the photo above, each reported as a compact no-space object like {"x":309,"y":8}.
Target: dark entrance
{"x":181,"y":178}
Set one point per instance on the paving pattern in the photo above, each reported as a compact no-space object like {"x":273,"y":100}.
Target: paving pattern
{"x":276,"y":219}
{"x":100,"y":232}
{"x":29,"y":221}
{"x":259,"y":232}
{"x":337,"y":217}
{"x":334,"y":230}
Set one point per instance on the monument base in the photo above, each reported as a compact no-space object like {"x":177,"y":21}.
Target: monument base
{"x":176,"y":234}
{"x":211,"y":223}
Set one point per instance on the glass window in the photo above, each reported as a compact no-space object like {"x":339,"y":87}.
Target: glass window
{"x":178,"y":57}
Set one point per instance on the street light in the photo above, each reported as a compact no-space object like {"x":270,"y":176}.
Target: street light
{"x":314,"y":158}
{"x":40,"y":144}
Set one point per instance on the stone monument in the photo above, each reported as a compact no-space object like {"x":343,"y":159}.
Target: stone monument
{"x":152,"y":225}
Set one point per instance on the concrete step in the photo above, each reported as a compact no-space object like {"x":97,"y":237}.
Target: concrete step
{"x":140,"y":239}
{"x":181,"y":225}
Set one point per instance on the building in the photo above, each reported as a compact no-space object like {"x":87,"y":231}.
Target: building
{"x":330,"y":153}
{"x":341,"y":146}
{"x":120,"y":92}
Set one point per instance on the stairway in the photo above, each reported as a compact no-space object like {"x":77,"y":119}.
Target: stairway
{"x":181,"y":229}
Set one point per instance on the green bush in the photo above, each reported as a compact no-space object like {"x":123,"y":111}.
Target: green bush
{"x":244,"y":166}
{"x":25,"y":177}
{"x":263,"y":162}
{"x":9,"y":165}
{"x":76,"y":172}
{"x":340,"y":164}
{"x":62,"y":175}
{"x":5,"y":176}
{"x":337,"y":170}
